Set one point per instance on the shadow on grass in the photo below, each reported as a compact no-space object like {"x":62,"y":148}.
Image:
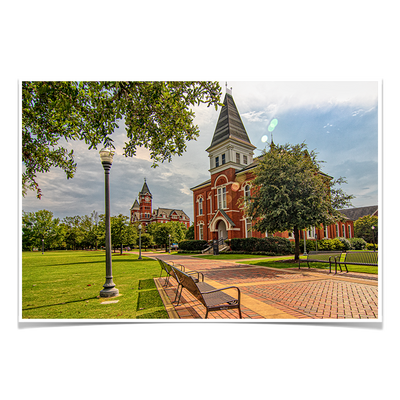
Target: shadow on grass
{"x":59,"y":304}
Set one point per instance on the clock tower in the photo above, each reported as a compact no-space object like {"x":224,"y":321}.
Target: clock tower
{"x":145,"y":204}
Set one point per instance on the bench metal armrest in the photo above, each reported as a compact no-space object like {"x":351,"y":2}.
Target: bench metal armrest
{"x":198,"y":274}
{"x":225,"y":288}
{"x":181,"y":267}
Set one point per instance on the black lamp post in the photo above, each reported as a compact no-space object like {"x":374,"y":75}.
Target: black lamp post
{"x":140,"y":241}
{"x":373,"y":232}
{"x":169,"y":243}
{"x":42,"y":246}
{"x":106,"y":157}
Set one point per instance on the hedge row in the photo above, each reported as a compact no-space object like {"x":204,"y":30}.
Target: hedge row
{"x":275,"y":245}
{"x":192,"y":245}
{"x":334,"y":244}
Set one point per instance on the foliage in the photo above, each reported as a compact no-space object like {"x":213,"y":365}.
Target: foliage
{"x":190,"y":233}
{"x":275,"y":245}
{"x":157,"y":115}
{"x":363,"y":228}
{"x":40,"y":228}
{"x":290,"y":193}
{"x":74,"y":233}
{"x":122,"y":232}
{"x":371,"y":246}
{"x":192,"y":245}
{"x":146,"y":240}
{"x":161,"y":232}
{"x":335,"y":244}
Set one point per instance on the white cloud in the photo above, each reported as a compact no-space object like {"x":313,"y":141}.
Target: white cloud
{"x":255,"y":116}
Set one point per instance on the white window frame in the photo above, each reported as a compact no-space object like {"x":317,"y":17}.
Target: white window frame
{"x":221,"y":197}
{"x":326,"y":233}
{"x":337,"y":230}
{"x":216,"y":162}
{"x":244,"y":159}
{"x":311,"y":232}
{"x":247,"y":191}
{"x":223,"y":159}
{"x":200,"y":206}
{"x":344,"y":230}
{"x":201,"y":231}
{"x":238,"y":158}
{"x":349,"y":230}
{"x":248,"y":228}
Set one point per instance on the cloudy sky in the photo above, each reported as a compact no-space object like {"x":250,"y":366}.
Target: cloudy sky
{"x":337,"y":119}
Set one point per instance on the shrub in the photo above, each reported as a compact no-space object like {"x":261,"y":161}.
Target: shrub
{"x":274,"y":245}
{"x":371,"y":246}
{"x":192,"y":245}
{"x":345,"y":242}
{"x":357,"y":243}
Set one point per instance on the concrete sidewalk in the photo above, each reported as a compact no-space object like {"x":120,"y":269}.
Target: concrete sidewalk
{"x":269,"y":293}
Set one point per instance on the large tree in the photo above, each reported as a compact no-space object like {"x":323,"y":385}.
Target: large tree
{"x":157,"y":115}
{"x":290,"y":192}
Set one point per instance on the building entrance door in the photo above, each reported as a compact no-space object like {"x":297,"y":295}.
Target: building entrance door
{"x":222,"y":232}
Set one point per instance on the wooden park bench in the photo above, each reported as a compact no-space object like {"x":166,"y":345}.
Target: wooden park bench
{"x":211,"y":298}
{"x":357,"y":258}
{"x":327,"y":257}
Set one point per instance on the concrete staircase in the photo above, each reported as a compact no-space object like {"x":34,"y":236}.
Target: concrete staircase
{"x":221,"y":247}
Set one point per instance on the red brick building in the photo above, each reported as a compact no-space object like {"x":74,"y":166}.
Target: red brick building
{"x":217,"y":213}
{"x":143,"y":212}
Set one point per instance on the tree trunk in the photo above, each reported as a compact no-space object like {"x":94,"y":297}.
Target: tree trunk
{"x":296,"y":243}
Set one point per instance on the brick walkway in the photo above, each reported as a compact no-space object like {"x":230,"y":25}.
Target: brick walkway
{"x":269,"y":293}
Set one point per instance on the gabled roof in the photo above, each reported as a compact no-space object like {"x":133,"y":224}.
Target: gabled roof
{"x":168,"y":212}
{"x":135,"y":206}
{"x":354,"y":213}
{"x":229,"y":125}
{"x":145,"y":189}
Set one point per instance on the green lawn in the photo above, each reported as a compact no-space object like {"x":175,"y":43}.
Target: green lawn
{"x":67,"y":284}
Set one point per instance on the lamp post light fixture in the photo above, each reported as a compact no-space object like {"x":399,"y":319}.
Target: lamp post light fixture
{"x":106,"y":157}
{"x":140,"y":241}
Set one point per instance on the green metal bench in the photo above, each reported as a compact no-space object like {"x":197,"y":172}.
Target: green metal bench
{"x":327,"y":257}
{"x":357,"y":258}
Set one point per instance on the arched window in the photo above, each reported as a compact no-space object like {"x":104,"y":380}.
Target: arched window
{"x":221,"y":197}
{"x":201,"y":206}
{"x":247,"y":192}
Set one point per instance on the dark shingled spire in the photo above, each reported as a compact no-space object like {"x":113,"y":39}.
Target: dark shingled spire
{"x":145,"y":188}
{"x":230,"y":125}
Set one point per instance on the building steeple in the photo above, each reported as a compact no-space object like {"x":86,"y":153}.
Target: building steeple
{"x":145,"y":189}
{"x":229,"y":125}
{"x":230,"y":145}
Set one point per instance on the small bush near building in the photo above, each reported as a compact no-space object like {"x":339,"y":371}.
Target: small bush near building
{"x":371,"y":246}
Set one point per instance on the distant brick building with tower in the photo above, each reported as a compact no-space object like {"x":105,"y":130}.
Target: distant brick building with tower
{"x":142,"y":211}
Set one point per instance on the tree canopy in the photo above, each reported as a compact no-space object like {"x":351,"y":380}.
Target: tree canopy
{"x":157,"y":115}
{"x":290,"y":192}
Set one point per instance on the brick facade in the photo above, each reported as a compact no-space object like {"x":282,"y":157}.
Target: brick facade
{"x":216,"y":202}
